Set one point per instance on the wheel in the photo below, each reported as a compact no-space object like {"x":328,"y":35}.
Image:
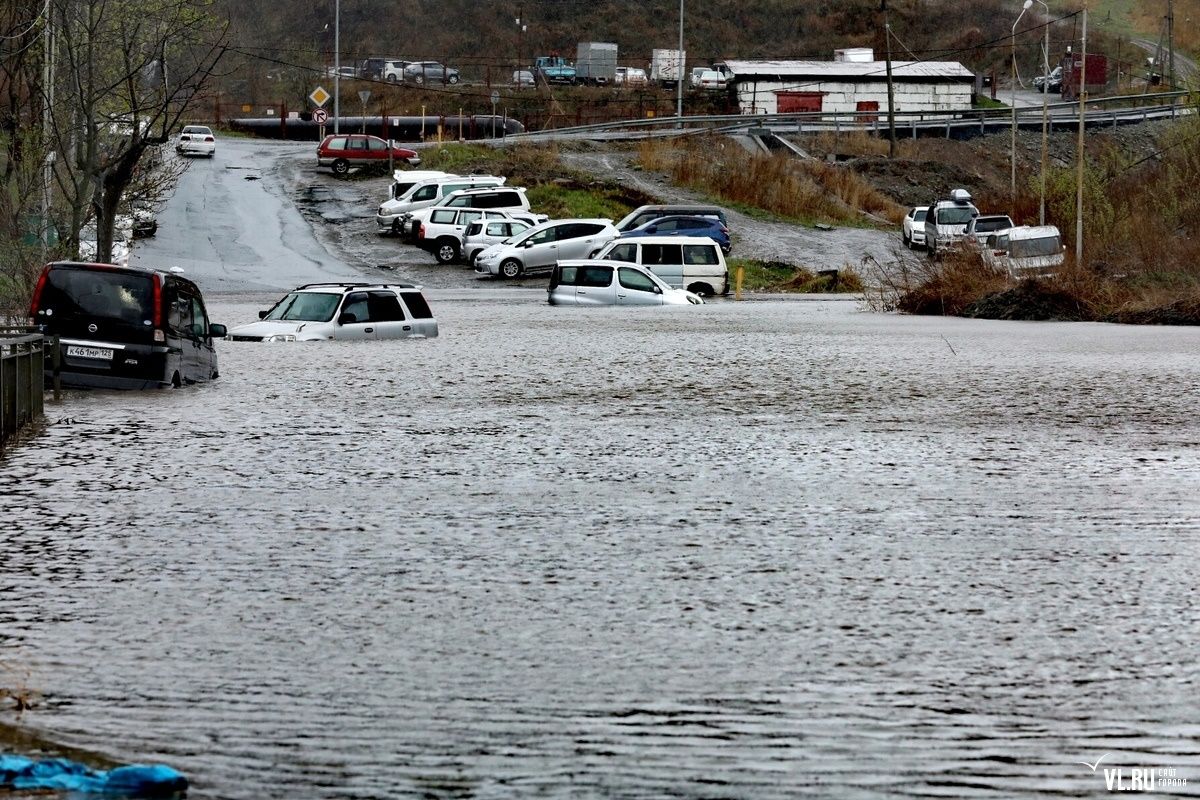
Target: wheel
{"x":907,"y":240}
{"x":511,"y":268}
{"x":395,"y":227}
{"x":702,"y":289}
{"x":418,"y":78}
{"x":391,"y":78}
{"x":176,"y":381}
{"x":453,"y":79}
{"x":341,"y":166}
{"x":474,"y":255}
{"x":446,"y":251}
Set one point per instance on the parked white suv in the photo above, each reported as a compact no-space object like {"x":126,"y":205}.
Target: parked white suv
{"x":405,"y":179}
{"x":442,"y":234}
{"x":538,"y":248}
{"x":509,"y":198}
{"x":354,"y":311}
{"x":426,"y":194}
{"x":479,"y":236}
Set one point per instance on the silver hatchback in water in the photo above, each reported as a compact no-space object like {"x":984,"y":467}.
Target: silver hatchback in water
{"x":594,"y":282}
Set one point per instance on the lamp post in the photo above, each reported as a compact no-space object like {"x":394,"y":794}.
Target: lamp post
{"x":1045,"y":113}
{"x":337,"y":62}
{"x":679,"y":73}
{"x":1013,"y":96}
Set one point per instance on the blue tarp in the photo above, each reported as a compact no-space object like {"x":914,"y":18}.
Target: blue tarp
{"x":135,"y":780}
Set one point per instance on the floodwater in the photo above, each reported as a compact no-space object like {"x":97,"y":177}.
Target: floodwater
{"x":746,"y":550}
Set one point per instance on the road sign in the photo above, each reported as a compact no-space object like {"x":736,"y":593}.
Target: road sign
{"x":319,"y":96}
{"x":495,"y":97}
{"x":320,"y":116}
{"x":364,"y":95}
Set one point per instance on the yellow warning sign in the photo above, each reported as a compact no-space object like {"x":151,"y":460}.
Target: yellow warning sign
{"x":319,"y":96}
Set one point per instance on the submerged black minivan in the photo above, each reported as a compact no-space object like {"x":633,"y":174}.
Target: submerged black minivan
{"x":125,"y":327}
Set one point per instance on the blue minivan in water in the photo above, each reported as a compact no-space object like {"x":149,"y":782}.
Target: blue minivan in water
{"x":125,"y":327}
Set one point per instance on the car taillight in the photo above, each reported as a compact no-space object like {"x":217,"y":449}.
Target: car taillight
{"x":421,"y":231}
{"x":208,"y":139}
{"x":37,"y":291}
{"x":157,"y":308}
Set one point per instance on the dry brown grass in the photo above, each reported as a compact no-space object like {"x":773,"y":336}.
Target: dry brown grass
{"x":805,"y":190}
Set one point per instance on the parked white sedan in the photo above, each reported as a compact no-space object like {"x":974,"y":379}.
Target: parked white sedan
{"x":912,"y":230}
{"x":196,"y":140}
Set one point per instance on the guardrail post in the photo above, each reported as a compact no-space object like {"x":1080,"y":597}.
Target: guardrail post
{"x":56,"y":367}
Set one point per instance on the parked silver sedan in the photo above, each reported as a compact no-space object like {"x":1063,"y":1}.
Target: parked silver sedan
{"x":594,"y":282}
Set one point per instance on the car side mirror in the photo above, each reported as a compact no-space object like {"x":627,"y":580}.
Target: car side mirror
{"x":347,"y":318}
{"x":657,"y":289}
{"x":529,"y":244}
{"x":217,"y":331}
{"x":652,"y":229}
{"x":263,"y":314}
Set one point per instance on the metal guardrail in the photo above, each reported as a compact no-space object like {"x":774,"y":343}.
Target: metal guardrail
{"x":23,"y":353}
{"x":1132,"y":108}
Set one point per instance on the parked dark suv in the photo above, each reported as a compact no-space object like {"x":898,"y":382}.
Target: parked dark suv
{"x":125,"y":327}
{"x":643,"y":214}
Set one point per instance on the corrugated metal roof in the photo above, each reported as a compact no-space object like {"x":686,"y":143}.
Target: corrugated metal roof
{"x":850,"y":69}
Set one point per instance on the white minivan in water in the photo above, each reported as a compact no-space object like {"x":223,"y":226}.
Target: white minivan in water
{"x":684,"y":262}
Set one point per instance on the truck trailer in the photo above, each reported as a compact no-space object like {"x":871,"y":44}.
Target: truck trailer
{"x":596,"y":63}
{"x":666,"y":66}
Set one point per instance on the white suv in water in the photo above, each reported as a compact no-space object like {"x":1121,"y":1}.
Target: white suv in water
{"x":354,"y":311}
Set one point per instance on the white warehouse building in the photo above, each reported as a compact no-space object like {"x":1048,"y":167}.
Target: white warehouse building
{"x":854,"y":81}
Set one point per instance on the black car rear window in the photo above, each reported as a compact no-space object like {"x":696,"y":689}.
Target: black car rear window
{"x":98,"y":293}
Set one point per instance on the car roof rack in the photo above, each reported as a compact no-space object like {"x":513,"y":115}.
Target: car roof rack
{"x":354,"y":284}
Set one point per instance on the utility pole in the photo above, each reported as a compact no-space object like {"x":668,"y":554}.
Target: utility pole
{"x":679,"y":73}
{"x":887,"y":32}
{"x":1079,"y":147}
{"x":1045,"y":113}
{"x":1171,"y":42}
{"x":47,"y":103}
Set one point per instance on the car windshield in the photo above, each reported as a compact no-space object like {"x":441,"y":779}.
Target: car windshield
{"x":305,"y":307}
{"x":1033,"y":248}
{"x":920,"y":215}
{"x":955,"y":215}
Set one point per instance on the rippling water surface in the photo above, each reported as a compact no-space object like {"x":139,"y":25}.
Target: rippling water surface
{"x":748,"y":550}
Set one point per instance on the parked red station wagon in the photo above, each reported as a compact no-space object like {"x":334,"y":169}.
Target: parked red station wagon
{"x":340,"y":151}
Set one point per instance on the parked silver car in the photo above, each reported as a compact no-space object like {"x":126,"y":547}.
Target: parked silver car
{"x":536,"y":250}
{"x":612,"y":283}
{"x":430,"y":72}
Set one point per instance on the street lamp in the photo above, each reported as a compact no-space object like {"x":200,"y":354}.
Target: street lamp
{"x":1013,"y":185}
{"x":337,"y":62}
{"x":1045,"y":118}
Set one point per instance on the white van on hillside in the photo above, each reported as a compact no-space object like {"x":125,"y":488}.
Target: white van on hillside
{"x":946,"y":221}
{"x":684,"y":262}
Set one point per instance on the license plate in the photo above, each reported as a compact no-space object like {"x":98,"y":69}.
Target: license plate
{"x":74,"y":351}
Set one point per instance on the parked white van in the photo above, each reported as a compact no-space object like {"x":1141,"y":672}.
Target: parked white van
{"x":427,"y":193}
{"x":1027,"y":251}
{"x":684,"y":262}
{"x":405,"y":179}
{"x":946,"y":221}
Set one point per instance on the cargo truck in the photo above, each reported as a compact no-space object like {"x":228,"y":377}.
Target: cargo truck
{"x":666,"y":66}
{"x":596,"y":63}
{"x":1096,"y":79}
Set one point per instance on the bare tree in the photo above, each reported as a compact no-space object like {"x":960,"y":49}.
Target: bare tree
{"x":126,"y":71}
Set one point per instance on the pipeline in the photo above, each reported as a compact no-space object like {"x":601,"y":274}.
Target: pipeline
{"x":401,"y":129}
